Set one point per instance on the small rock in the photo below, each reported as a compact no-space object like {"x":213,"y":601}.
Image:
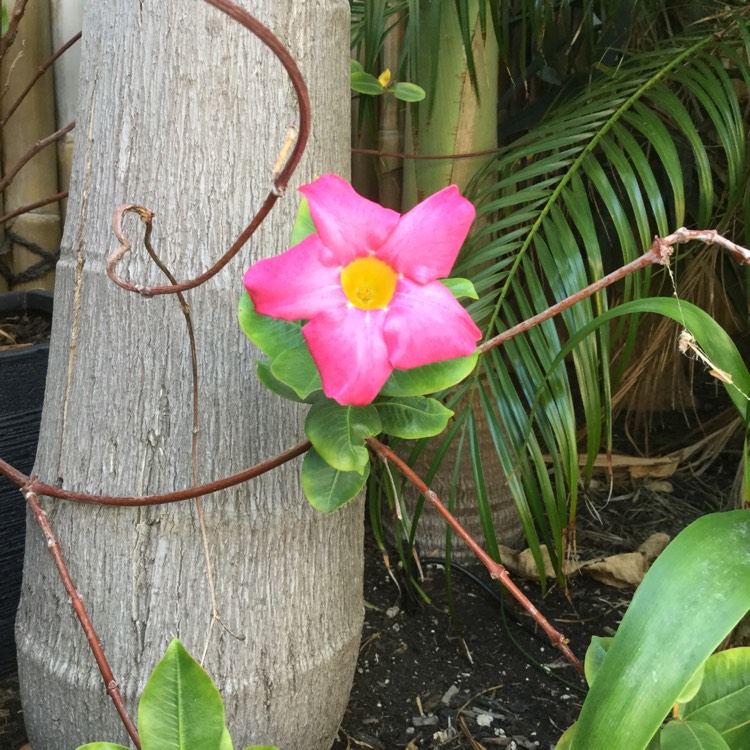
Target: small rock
{"x":449,"y":694}
{"x":424,"y":721}
{"x":392,"y":611}
{"x":484,"y":720}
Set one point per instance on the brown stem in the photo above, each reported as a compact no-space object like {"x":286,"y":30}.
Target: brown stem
{"x":495,"y":570}
{"x":31,"y":206}
{"x":10,"y":35}
{"x":30,"y":483}
{"x":32,"y":152}
{"x":113,"y":690}
{"x":40,"y":71}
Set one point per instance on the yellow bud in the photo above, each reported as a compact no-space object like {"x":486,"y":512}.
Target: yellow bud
{"x":385,"y":78}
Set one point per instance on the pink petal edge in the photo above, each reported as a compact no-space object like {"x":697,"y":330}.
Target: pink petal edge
{"x":349,"y":351}
{"x":426,"y":324}
{"x":426,"y":242}
{"x":349,"y":225}
{"x":296,"y":284}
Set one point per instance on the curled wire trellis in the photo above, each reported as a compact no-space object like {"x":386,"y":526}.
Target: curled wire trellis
{"x":31,"y":487}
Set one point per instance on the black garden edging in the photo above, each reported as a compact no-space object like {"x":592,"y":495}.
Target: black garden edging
{"x":23,"y":372}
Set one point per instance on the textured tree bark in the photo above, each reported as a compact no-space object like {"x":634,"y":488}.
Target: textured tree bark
{"x":184,"y":112}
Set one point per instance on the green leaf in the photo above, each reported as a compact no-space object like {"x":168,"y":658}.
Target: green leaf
{"x":693,"y":685}
{"x":691,"y":735}
{"x":338,"y":433}
{"x":595,"y":654}
{"x":295,"y":368}
{"x":691,"y":598}
{"x":266,"y":377}
{"x":407,"y":92}
{"x":723,"y":699}
{"x":303,"y":225}
{"x":271,"y":335}
{"x":226,"y":741}
{"x":101,"y":745}
{"x":180,"y":708}
{"x":460,"y":288}
{"x":326,"y":488}
{"x":430,"y":378}
{"x":356,"y":67}
{"x":412,"y":418}
{"x":4,"y":21}
{"x":566,"y":741}
{"x":364,"y":83}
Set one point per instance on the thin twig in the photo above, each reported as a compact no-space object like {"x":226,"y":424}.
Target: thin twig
{"x":22,"y":480}
{"x":40,"y":71}
{"x":32,"y":152}
{"x":9,"y":37}
{"x":113,"y":689}
{"x":660,"y":252}
{"x":31,"y":206}
{"x":495,"y":570}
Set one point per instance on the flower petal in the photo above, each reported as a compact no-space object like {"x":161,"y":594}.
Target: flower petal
{"x":349,"y":225}
{"x":426,"y":241}
{"x":296,"y":284}
{"x":426,"y":324}
{"x":348,"y":348}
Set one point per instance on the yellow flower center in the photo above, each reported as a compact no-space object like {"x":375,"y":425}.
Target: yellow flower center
{"x":368,"y":283}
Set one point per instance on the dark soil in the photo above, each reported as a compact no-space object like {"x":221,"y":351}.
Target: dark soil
{"x":490,"y":678}
{"x":23,"y":329}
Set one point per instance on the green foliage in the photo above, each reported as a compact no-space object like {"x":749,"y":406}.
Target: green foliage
{"x":688,"y":602}
{"x":366,"y":83}
{"x":180,"y":709}
{"x":326,"y":488}
{"x":3,"y":19}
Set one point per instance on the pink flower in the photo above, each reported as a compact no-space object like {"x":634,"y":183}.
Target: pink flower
{"x":367,"y":282}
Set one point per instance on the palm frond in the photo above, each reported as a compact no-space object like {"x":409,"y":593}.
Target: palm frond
{"x":656,"y":144}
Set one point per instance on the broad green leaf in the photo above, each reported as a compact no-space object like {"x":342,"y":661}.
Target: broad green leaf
{"x":430,"y":378}
{"x":356,"y":67}
{"x":691,"y":735}
{"x":303,"y":225}
{"x":566,"y":741}
{"x":595,"y":654}
{"x":460,"y":288}
{"x":407,"y":92}
{"x":226,"y":741}
{"x":338,"y":433}
{"x":412,"y":418}
{"x":692,"y":686}
{"x":267,"y":378}
{"x":690,"y":599}
{"x":326,"y":488}
{"x":102,"y":746}
{"x":180,"y":708}
{"x":364,"y":83}
{"x":295,"y":368}
{"x":271,"y":335}
{"x":723,"y":700}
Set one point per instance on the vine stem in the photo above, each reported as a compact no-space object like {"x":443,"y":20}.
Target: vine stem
{"x":496,"y":571}
{"x":113,"y":689}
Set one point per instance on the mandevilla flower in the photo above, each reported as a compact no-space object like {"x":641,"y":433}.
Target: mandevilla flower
{"x":367,"y":282}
